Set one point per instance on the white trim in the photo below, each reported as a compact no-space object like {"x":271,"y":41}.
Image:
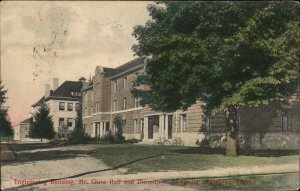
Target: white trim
{"x":87,"y":116}
{"x":120,"y":111}
{"x":152,"y":114}
{"x":105,"y":113}
{"x":127,"y":110}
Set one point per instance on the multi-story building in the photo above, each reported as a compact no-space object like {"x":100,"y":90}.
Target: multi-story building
{"x":109,"y":94}
{"x":62,"y":101}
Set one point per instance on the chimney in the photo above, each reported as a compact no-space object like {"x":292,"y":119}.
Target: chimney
{"x":54,"y":84}
{"x":84,"y":83}
{"x":47,"y":90}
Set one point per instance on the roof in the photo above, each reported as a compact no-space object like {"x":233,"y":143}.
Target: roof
{"x":63,"y":92}
{"x":129,"y":66}
{"x":66,"y":88}
{"x":40,"y":102}
{"x":28,"y":120}
{"x":108,"y":71}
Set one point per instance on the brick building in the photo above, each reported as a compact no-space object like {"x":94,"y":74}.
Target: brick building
{"x":108,"y":94}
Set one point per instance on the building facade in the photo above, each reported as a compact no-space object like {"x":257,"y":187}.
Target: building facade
{"x":21,"y":131}
{"x":62,"y":101}
{"x":109,"y":94}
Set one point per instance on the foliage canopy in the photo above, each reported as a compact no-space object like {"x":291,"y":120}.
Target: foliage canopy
{"x":223,"y":53}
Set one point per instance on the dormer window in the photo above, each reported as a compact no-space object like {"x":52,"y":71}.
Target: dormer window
{"x":76,"y":93}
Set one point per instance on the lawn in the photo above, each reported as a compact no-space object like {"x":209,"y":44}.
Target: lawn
{"x":149,"y":158}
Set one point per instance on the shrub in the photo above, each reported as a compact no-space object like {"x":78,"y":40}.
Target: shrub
{"x":131,"y":141}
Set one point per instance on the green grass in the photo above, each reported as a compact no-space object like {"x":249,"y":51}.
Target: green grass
{"x":152,"y":158}
{"x":287,"y":181}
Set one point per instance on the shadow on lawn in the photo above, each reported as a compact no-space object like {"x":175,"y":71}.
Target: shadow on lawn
{"x":243,"y":152}
{"x":32,"y":146}
{"x":24,"y":157}
{"x":268,"y":152}
{"x":85,"y":173}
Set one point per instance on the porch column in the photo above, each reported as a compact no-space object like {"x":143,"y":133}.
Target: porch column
{"x":161,"y":126}
{"x":101,"y":129}
{"x":166,"y":126}
{"x":93,"y":130}
{"x":145,"y":127}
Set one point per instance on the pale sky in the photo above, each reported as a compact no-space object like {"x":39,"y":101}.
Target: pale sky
{"x":67,"y":40}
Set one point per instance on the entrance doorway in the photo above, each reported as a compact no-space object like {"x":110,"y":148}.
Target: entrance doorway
{"x":153,"y":121}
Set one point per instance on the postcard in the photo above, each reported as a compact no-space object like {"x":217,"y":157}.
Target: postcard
{"x":142,"y":95}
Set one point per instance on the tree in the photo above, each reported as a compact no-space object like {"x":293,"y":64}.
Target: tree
{"x":42,"y":126}
{"x":227,"y":54}
{"x":78,"y":135}
{"x":118,"y":121}
{"x":5,"y":124}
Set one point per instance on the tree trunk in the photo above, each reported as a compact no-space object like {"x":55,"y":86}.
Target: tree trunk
{"x":231,"y":131}
{"x":41,"y":139}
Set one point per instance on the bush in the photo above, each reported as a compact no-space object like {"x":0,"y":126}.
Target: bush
{"x":59,"y":142}
{"x":80,"y":138}
{"x":203,"y":143}
{"x":131,"y":141}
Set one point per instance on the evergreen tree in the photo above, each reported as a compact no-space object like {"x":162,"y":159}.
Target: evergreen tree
{"x":5,"y":124}
{"x":227,"y":54}
{"x":42,"y":126}
{"x":78,"y":135}
{"x":119,"y":128}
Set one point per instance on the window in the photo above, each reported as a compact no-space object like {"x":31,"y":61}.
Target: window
{"x":125,"y":82}
{"x":136,"y":102}
{"x":284,"y":123}
{"x":125,"y":103}
{"x":96,"y":106}
{"x":142,"y":125}
{"x":70,"y":106}
{"x":207,"y":124}
{"x":76,"y":93}
{"x":183,"y":122}
{"x":135,"y":129}
{"x":70,"y":122}
{"x":115,"y":105}
{"x":114,"y":84}
{"x":61,"y":122}
{"x":61,"y":106}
